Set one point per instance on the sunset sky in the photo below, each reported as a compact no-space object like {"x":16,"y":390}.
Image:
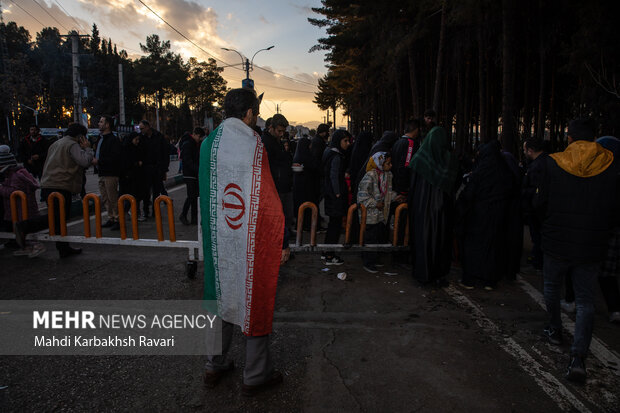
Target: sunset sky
{"x":244,"y":25}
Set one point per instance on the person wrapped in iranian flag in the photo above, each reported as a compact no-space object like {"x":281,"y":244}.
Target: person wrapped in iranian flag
{"x":244,"y":239}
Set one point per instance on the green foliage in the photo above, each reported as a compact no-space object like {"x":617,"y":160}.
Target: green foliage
{"x":38,"y":74}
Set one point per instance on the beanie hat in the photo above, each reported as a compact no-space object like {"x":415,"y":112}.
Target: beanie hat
{"x":582,"y":128}
{"x":7,"y":159}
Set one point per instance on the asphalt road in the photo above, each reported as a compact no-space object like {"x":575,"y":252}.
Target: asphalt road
{"x":371,"y":343}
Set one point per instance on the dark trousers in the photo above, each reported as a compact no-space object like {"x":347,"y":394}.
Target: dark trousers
{"x":191,"y":202}
{"x":536,"y":235}
{"x":375,"y":234}
{"x":60,"y":246}
{"x":584,"y":280}
{"x":155,"y":187}
{"x":609,"y":287}
{"x":332,"y":236}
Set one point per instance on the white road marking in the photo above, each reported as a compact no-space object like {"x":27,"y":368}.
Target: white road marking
{"x":555,"y":389}
{"x":604,"y":354}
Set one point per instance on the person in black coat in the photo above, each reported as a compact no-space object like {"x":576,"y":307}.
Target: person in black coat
{"x":302,"y":180}
{"x":280,"y":163}
{"x":133,"y":181}
{"x":109,"y":164}
{"x":513,"y":240}
{"x":485,"y":201}
{"x":33,"y":151}
{"x":190,"y":154}
{"x":536,"y":159}
{"x":336,"y":191}
{"x":156,"y":161}
{"x":317,"y":148}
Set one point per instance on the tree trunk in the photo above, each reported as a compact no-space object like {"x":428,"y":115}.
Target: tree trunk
{"x":540,"y":127}
{"x":509,"y":125}
{"x":482,"y":90}
{"x":415,"y":98}
{"x":439,"y":68}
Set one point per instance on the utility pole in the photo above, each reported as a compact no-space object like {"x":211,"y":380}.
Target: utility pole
{"x":121,"y":95}
{"x":75,"y":63}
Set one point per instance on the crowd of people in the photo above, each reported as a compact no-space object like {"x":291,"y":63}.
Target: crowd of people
{"x":466,"y":209}
{"x":135,"y":164}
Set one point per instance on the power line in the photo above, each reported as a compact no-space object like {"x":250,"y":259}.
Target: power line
{"x":49,"y":14}
{"x":184,"y":36}
{"x":262,"y":68}
{"x":79,"y":26}
{"x":26,"y":11}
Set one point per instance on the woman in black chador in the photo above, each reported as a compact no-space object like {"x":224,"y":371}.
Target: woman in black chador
{"x":308,"y":169}
{"x":485,"y":203}
{"x":431,"y":201}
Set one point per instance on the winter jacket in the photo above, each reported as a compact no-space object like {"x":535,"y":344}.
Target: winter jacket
{"x":369,"y":195}
{"x":280,"y":163}
{"x":190,"y":154}
{"x":334,"y":168}
{"x":65,"y":164}
{"x":157,"y":155}
{"x":578,"y":198}
{"x":110,"y":161}
{"x":17,"y":178}
{"x":532,"y":180}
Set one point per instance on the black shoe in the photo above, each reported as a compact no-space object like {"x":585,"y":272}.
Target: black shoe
{"x":250,"y":390}
{"x":108,"y":224}
{"x":212,"y":378}
{"x":115,"y":226}
{"x":69,"y":251}
{"x":576,"y":370}
{"x":554,"y":336}
{"x":335,"y":260}
{"x":184,"y":220}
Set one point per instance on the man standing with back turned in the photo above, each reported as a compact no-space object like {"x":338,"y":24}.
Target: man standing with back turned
{"x":578,"y":195}
{"x":243,"y":241}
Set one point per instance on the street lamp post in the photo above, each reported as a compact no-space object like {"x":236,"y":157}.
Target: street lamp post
{"x":247,"y":64}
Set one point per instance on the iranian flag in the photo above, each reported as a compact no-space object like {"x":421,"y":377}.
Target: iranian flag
{"x":243,"y":224}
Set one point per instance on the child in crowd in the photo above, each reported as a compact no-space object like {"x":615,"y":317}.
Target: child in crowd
{"x":376,"y":194}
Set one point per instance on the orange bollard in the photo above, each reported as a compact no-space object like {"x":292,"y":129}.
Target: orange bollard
{"x":14,"y":196}
{"x":313,"y":224}
{"x":50,"y":214}
{"x":97,"y":203}
{"x":397,"y":214}
{"x":157,"y":207}
{"x":347,"y":234}
{"x":134,"y":216}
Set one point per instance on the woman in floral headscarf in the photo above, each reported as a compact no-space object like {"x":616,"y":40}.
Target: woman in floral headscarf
{"x":375,"y":193}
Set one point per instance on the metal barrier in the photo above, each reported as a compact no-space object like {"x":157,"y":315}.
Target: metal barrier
{"x":134,"y":216}
{"x":194,"y":247}
{"x":313,"y":246}
{"x":397,"y":213}
{"x":86,"y":215}
{"x":13,"y":200}
{"x":313,"y":224}
{"x":170,"y":210}
{"x":347,"y":232}
{"x":50,"y":214}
